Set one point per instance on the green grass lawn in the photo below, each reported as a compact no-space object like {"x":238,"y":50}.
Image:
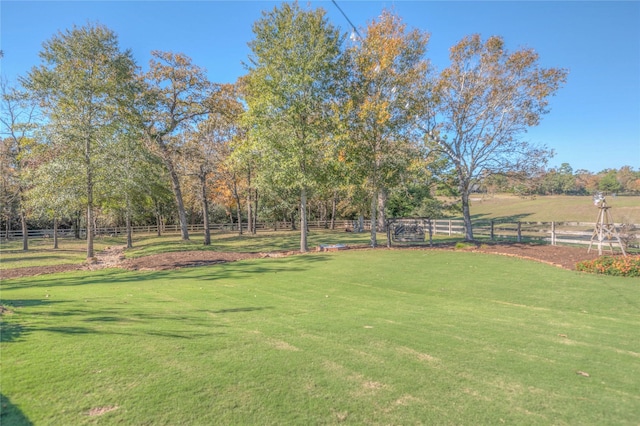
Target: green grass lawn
{"x":356,"y":337}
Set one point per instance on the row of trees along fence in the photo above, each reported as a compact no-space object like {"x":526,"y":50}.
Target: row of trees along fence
{"x":555,"y":233}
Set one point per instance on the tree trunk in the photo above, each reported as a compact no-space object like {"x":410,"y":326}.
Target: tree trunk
{"x":129,"y":232}
{"x":334,"y":202}
{"x":239,"y":215}
{"x":303,"y":221}
{"x":177,"y":191}
{"x":205,"y":209}
{"x":25,"y":231}
{"x":90,"y":253}
{"x":236,"y":196}
{"x":325,"y":220}
{"x":55,"y":233}
{"x":128,"y":222}
{"x":158,"y":225}
{"x":255,"y":214}
{"x":382,"y":207}
{"x":374,"y":222}
{"x":76,"y":224}
{"x":158,"y":218}
{"x":182,"y":213}
{"x":249,"y":213}
{"x":466,"y":212}
{"x":249,"y":204}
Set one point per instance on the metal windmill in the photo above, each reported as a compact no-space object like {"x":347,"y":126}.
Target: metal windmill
{"x":605,"y":228}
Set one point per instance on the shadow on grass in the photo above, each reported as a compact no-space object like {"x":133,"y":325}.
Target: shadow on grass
{"x":234,"y":310}
{"x":94,"y":320}
{"x":13,"y":331}
{"x":10,"y":332}
{"x":12,"y":415}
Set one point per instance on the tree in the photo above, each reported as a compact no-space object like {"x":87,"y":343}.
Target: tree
{"x":292,"y":81}
{"x":81,"y":85}
{"x":487,"y":98}
{"x":55,"y":187}
{"x":559,"y":180}
{"x":609,"y":183}
{"x":175,"y":97}
{"x":627,"y":178}
{"x":388,"y":76}
{"x":210,"y":146}
{"x":18,"y":116}
{"x":9,"y":185}
{"x":134,"y":176}
{"x":586,"y":182}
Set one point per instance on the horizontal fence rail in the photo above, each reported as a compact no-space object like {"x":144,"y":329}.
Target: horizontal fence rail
{"x":555,"y":233}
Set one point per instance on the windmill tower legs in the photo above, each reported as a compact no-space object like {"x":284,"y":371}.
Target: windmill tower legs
{"x":605,"y":229}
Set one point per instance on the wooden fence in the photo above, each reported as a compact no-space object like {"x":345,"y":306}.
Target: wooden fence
{"x":555,"y":233}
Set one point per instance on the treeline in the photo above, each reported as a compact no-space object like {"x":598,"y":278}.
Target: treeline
{"x":322,"y":125}
{"x":564,"y":180}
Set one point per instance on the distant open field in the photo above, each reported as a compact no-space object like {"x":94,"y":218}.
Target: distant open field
{"x":558,"y":208}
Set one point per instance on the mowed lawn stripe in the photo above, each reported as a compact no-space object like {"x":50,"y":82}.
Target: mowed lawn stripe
{"x":371,"y":336}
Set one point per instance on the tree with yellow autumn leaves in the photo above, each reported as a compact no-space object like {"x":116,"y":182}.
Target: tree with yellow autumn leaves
{"x":385,"y":91}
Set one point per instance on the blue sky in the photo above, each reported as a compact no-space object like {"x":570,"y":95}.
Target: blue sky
{"x":594,"y":122}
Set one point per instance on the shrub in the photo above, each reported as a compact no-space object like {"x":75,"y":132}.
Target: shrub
{"x":629,"y":235}
{"x":464,"y":245}
{"x":628,"y":266}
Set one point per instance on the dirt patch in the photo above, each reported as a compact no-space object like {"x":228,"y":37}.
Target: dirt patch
{"x":561,"y":256}
{"x":38,"y":270}
{"x":183,"y":259}
{"x":98,"y":411}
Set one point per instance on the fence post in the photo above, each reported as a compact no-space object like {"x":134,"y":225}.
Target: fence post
{"x":492,"y":235}
{"x":430,"y":232}
{"x":519,"y":232}
{"x":553,"y":233}
{"x":450,"y":227}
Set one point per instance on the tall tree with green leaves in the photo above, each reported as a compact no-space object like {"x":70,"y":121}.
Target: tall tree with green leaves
{"x":18,"y":119}
{"x":386,"y":87}
{"x":55,"y":187}
{"x":134,"y":174}
{"x":487,"y":98}
{"x":81,"y":84}
{"x":294,"y":68}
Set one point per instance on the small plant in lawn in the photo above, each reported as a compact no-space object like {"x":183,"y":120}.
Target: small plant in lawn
{"x":627,"y":266}
{"x":464,"y":245}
